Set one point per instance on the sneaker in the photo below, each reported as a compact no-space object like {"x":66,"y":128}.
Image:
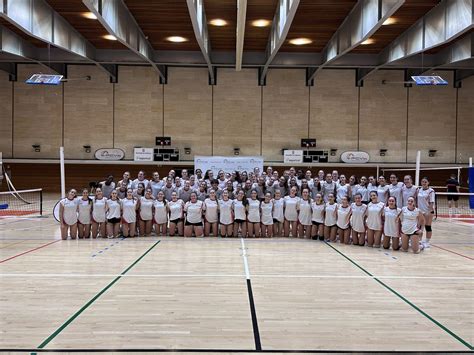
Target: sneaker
{"x":426,"y":245}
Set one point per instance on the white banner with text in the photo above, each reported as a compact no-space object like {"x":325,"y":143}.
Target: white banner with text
{"x":228,"y":164}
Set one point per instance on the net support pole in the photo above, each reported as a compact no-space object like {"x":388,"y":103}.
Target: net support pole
{"x":417,"y":172}
{"x":63,"y":177}
{"x":470,"y":162}
{"x":378,"y":172}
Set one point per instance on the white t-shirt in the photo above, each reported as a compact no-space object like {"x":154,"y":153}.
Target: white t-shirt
{"x":383,"y":193}
{"x":211,"y":207}
{"x":85,"y":207}
{"x":391,"y":227}
{"x":342,"y":190}
{"x":278,"y":209}
{"x":330,"y":217}
{"x":194,"y":211}
{"x":408,"y":192}
{"x":409,"y":220}
{"x":161,"y":212}
{"x":239,"y":210}
{"x":343,"y":216}
{"x":291,"y":213}
{"x":156,"y":187}
{"x":98,"y":209}
{"x":267,"y":213}
{"x":114,"y":209}
{"x":70,"y":210}
{"x":225,"y":212}
{"x":146,"y":206}
{"x":136,"y":182}
{"x":129,"y":210}
{"x":358,"y":217}
{"x":374,"y":216}
{"x":424,"y":198}
{"x":318,"y":212}
{"x":327,"y":188}
{"x":176,"y":209}
{"x":363,"y":190}
{"x":304,"y":216}
{"x":396,"y":191}
{"x":254,"y":211}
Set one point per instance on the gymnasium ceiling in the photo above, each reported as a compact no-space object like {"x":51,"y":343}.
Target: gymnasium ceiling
{"x":325,"y":24}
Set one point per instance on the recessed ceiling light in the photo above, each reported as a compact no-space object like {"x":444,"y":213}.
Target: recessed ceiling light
{"x":368,"y":41}
{"x":300,"y":41}
{"x":261,"y":23}
{"x":89,"y":15}
{"x":218,"y":22}
{"x":390,"y":21}
{"x":110,"y":37}
{"x":176,"y":39}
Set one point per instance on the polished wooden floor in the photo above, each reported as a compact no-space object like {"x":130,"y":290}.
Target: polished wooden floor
{"x":193,"y":294}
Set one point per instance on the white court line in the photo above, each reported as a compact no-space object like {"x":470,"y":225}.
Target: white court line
{"x":33,"y":275}
{"x":34,"y":227}
{"x":244,"y":256}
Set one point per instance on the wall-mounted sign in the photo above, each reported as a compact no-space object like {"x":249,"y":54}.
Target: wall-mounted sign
{"x":355,"y":157}
{"x":109,"y":154}
{"x":292,"y":156}
{"x":143,"y":154}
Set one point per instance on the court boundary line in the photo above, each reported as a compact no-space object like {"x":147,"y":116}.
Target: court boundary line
{"x":207,"y":350}
{"x":29,"y":251}
{"x":426,"y":315}
{"x":453,"y":252}
{"x":253,"y":311}
{"x":93,"y":299}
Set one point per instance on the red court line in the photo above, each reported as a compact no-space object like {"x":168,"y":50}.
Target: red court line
{"x":450,"y":251}
{"x":29,"y":251}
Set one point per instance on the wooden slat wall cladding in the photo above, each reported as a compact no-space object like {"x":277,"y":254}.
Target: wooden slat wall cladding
{"x":407,"y":15}
{"x":47,"y":176}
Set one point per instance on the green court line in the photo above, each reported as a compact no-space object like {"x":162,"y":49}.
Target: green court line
{"x":92,"y":300}
{"x":454,"y":335}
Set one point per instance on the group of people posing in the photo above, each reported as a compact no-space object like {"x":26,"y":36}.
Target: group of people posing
{"x":330,"y":207}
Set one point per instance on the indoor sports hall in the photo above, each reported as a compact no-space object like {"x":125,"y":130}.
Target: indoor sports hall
{"x":236,"y":176}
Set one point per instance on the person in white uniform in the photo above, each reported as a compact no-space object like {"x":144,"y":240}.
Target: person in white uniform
{"x":412,"y":226}
{"x":291,"y":213}
{"x":395,"y":190}
{"x":155,"y":184}
{"x":363,"y":190}
{"x":99,"y":208}
{"x":193,"y":220}
{"x":374,"y":221}
{"x":266,"y":209}
{"x":317,"y":217}
{"x":358,"y":220}
{"x":425,"y":200}
{"x":343,"y":220}
{"x":343,"y":189}
{"x":68,"y":215}
{"x":129,"y":214}
{"x":239,"y":206}
{"x":253,"y":215}
{"x":176,"y":210}
{"x":278,"y":215}
{"x":160,"y":208}
{"x":383,"y":190}
{"x":145,"y":209}
{"x":226,"y":215}
{"x":114,"y":214}
{"x":211,"y":216}
{"x":391,"y":224}
{"x":330,"y":219}
{"x":84,"y":219}
{"x":304,"y":215}
{"x":408,"y":189}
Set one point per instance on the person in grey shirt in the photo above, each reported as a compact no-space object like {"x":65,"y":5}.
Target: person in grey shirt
{"x":328,"y":187}
{"x":185,"y":192}
{"x":168,"y":189}
{"x":107,"y":186}
{"x":282,"y":186}
{"x":140,"y":178}
{"x":122,"y":191}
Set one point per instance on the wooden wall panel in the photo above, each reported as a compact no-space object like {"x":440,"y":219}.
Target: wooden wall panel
{"x":37,"y":116}
{"x":334,"y":111}
{"x":285,"y":112}
{"x":432,"y":121}
{"x":237,"y":112}
{"x":188,"y":110}
{"x":138,"y":108}
{"x":5,"y":115}
{"x":382,"y":116}
{"x":88,"y":111}
{"x":465,"y":124}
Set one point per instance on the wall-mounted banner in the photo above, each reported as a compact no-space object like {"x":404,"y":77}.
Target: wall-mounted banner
{"x":143,"y":154}
{"x":228,"y":164}
{"x":355,"y":157}
{"x":109,"y":154}
{"x":292,"y":156}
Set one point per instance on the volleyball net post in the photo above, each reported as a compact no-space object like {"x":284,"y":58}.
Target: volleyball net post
{"x":63,"y":177}
{"x":417,"y":169}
